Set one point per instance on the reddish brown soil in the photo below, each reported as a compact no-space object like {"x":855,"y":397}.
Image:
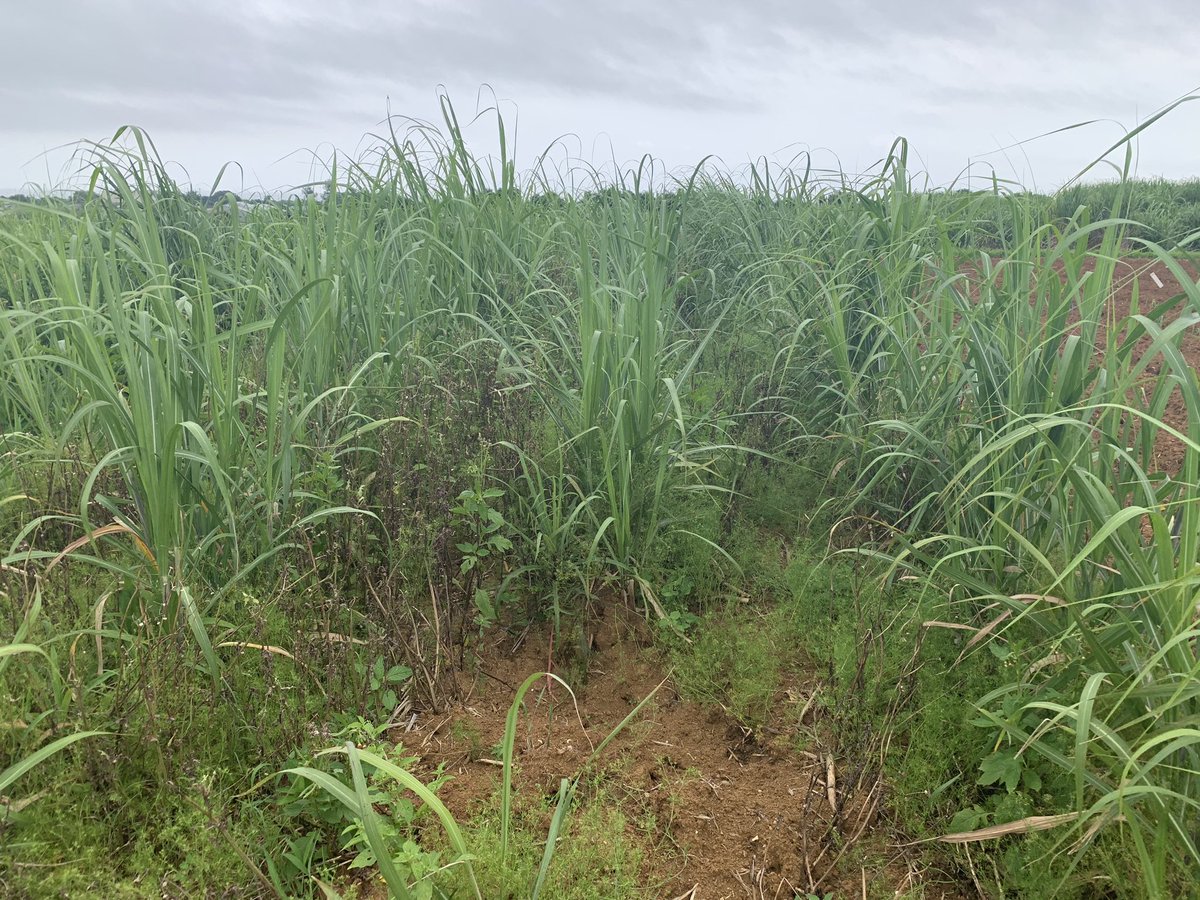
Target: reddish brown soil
{"x":1142,"y":274}
{"x":1139,"y":273}
{"x":736,"y":818}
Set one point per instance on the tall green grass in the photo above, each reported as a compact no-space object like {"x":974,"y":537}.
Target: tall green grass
{"x":202,"y":395}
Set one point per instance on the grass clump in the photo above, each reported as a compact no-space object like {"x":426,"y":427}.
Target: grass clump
{"x":734,"y":662}
{"x":596,"y":859}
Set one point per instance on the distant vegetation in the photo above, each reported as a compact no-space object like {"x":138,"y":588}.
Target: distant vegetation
{"x":268,"y":471}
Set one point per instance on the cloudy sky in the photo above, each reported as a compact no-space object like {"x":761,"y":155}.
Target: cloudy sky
{"x":268,"y":83}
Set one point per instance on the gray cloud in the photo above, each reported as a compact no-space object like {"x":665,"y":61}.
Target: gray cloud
{"x":228,"y":78}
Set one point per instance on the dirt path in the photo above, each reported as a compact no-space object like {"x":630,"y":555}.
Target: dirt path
{"x":736,"y":818}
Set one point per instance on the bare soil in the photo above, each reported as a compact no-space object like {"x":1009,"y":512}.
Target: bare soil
{"x":738,"y":816}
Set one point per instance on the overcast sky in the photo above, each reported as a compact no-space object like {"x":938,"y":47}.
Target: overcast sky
{"x":256,"y":80}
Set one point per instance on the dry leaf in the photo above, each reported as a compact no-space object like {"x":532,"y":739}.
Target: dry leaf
{"x":1021,"y":826}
